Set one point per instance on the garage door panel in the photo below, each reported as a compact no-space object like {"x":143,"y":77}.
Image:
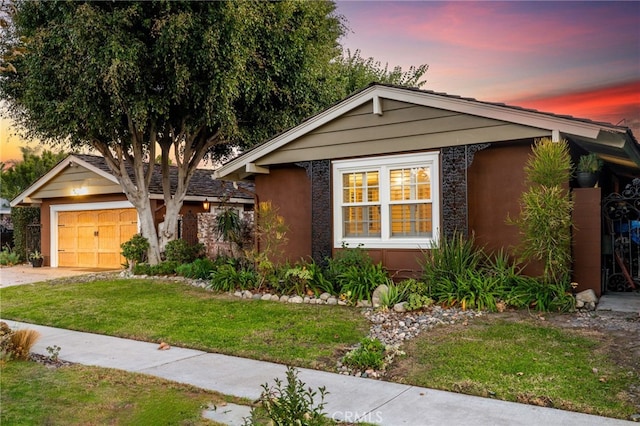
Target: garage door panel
{"x":92,"y":238}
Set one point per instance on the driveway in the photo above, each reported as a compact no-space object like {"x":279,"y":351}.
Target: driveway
{"x":26,"y":274}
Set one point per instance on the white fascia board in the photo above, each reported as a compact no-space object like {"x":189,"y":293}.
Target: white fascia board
{"x":54,"y":172}
{"x":311,"y":124}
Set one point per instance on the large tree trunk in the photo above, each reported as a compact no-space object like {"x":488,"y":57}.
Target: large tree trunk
{"x":148,"y":230}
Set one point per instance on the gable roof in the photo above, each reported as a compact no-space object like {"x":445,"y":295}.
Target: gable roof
{"x":615,"y":144}
{"x":201,"y":186}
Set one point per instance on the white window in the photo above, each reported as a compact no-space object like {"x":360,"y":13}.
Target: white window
{"x":386,"y":202}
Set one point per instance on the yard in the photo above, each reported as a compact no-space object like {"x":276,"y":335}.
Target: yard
{"x":515,"y":356}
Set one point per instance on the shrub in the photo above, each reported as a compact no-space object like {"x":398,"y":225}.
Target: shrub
{"x":296,"y":280}
{"x":358,"y":284}
{"x":228,"y":277}
{"x":182,"y":252}
{"x":198,"y":269}
{"x":292,"y":404}
{"x":135,"y":250}
{"x":162,"y":268}
{"x":21,"y":342}
{"x":416,"y":301}
{"x":21,"y":217}
{"x":448,"y":263}
{"x":368,"y":355}
{"x":319,"y":283}
{"x":9,"y":257}
{"x":470,"y":290}
{"x":343,"y":260}
{"x":536,"y":294}
{"x":394,"y":294}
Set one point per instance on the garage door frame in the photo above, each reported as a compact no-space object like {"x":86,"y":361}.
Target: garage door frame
{"x":55,"y":209}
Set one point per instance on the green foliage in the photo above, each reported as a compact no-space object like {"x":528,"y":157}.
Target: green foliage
{"x":417,"y":301}
{"x":540,"y":295}
{"x":198,"y":269}
{"x":472,"y":290}
{"x":369,"y":354}
{"x":358,"y":284}
{"x":168,"y":267}
{"x":228,"y":225}
{"x":271,"y":231}
{"x":448,"y":262}
{"x":319,"y":283}
{"x":231,"y":276}
{"x":356,"y":72}
{"x":545,"y":216}
{"x":135,"y":249}
{"x":394,"y":294}
{"x":18,"y":177}
{"x":9,"y":257}
{"x":590,"y":163}
{"x":344,"y":259}
{"x":296,"y":280}
{"x":290,"y":404}
{"x":21,"y":217}
{"x":549,"y":163}
{"x":182,"y":252}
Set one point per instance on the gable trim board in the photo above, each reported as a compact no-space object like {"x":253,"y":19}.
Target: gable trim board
{"x":58,"y":208}
{"x":373,"y":97}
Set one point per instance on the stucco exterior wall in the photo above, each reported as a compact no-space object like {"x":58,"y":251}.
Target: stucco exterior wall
{"x":289,"y":189}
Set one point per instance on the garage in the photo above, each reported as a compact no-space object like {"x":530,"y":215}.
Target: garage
{"x":92,"y":238}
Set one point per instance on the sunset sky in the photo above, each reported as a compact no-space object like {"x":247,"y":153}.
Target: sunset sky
{"x":575,"y":58}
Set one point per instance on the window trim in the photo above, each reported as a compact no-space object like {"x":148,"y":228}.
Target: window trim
{"x":383,"y":164}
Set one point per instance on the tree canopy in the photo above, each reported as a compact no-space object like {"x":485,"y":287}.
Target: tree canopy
{"x":195,"y":79}
{"x":18,"y":177}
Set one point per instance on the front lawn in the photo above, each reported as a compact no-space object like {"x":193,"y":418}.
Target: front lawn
{"x":33,"y":394}
{"x":181,"y":315}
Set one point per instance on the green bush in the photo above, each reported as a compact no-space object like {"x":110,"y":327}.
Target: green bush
{"x":162,"y":268}
{"x":342,"y":261}
{"x":394,"y":294}
{"x":319,"y":283}
{"x":358,"y":283}
{"x":182,"y":252}
{"x":231,"y":276}
{"x":471,"y":290}
{"x":416,"y":301}
{"x":21,"y":217}
{"x":296,"y":280}
{"x":290,"y":404}
{"x":9,"y":257}
{"x":368,"y":355}
{"x":198,"y":269}
{"x":448,"y":263}
{"x":536,"y":294}
{"x":135,"y":250}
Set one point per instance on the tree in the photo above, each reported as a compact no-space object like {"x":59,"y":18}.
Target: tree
{"x":18,"y":177}
{"x":195,"y":79}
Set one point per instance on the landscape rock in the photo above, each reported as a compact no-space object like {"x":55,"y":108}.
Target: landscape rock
{"x":325,"y":296}
{"x":295,"y":299}
{"x":332,"y":301}
{"x":399,"y":307}
{"x":375,"y":297}
{"x":587,"y":296}
{"x":266,"y":297}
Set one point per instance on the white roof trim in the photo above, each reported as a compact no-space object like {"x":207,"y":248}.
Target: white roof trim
{"x":555,"y":124}
{"x":57,"y":170}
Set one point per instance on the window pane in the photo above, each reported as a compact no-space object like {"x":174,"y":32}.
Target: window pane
{"x":360,"y":187}
{"x":410,"y":184}
{"x":410,"y":220}
{"x":361,"y":221}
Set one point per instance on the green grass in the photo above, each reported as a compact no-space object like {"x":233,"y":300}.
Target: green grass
{"x":523,"y":362}
{"x":298,"y":335}
{"x":33,"y":394}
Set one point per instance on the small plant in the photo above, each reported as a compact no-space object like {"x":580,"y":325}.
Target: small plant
{"x":198,"y":269}
{"x":343,"y":260}
{"x":36,"y":255}
{"x":135,"y":250}
{"x":358,"y":284}
{"x":589,"y":163}
{"x":21,"y":342}
{"x":290,"y":404}
{"x":9,"y":257}
{"x":182,"y":252}
{"x":296,"y":280}
{"x":229,"y":277}
{"x":370,"y":354}
{"x":416,"y":301}
{"x":393,"y":295}
{"x":54,"y":352}
{"x":162,"y":268}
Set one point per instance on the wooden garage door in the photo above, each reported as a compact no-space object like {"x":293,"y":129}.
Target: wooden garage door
{"x":92,"y":238}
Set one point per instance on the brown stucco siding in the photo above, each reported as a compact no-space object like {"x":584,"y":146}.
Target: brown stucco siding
{"x":496,"y":179}
{"x":587,"y":242}
{"x":289,"y":189}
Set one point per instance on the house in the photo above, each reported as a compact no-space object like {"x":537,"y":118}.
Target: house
{"x":390,"y":169}
{"x":85,"y":215}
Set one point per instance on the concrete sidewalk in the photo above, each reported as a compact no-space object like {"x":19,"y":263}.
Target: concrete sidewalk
{"x":349,"y":399}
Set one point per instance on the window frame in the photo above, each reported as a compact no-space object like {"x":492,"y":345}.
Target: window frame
{"x":383,"y":165}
